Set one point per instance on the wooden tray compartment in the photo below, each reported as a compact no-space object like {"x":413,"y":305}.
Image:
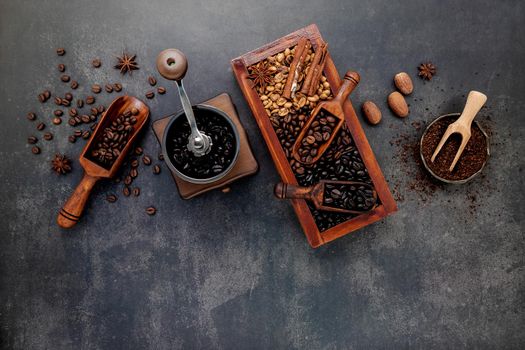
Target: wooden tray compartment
{"x":314,"y":235}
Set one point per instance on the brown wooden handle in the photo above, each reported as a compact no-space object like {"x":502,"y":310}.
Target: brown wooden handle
{"x":70,"y":213}
{"x":287,"y":191}
{"x":172,"y":64}
{"x":349,"y":83}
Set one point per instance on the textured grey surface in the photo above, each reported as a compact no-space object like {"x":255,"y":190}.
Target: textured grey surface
{"x":234,"y":271}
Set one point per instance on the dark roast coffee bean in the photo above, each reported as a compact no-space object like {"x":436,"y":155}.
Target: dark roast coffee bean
{"x":32,"y":140}
{"x":134,"y":173}
{"x":78,"y":133}
{"x":61,"y":51}
{"x":41,"y":126}
{"x":48,"y":136}
{"x":74,"y":84}
{"x":58,"y":112}
{"x":90,"y":100}
{"x":65,"y":78}
{"x":152,"y":81}
{"x":108,"y":88}
{"x":58,"y":101}
{"x":41,"y":98}
{"x":96,"y":63}
{"x":101,"y":109}
{"x":95,"y":88}
{"x":161,"y":90}
{"x":86,"y":134}
{"x":31,"y":116}
{"x":126,"y":191}
{"x":80,"y":103}
{"x":150,"y":94}
{"x":61,"y":68}
{"x":156,"y":169}
{"x":146,"y":160}
{"x":57,"y":120}
{"x":78,"y":119}
{"x":47,"y":94}
{"x":65,"y":102}
{"x":136,"y":191}
{"x":151,"y":210}
{"x":68,"y":96}
{"x":72,"y":112}
{"x":112,"y":198}
{"x":160,"y":156}
{"x":117,"y":87}
{"x":72,"y":122}
{"x":94,"y":110}
{"x":85,"y":118}
{"x":72,"y":138}
{"x":35,"y":150}
{"x":138,"y":150}
{"x":134,"y":163}
{"x":93,"y":126}
{"x":128,"y":180}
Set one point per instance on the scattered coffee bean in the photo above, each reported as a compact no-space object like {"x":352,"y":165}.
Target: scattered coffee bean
{"x":65,"y":78}
{"x":156,"y":169}
{"x":95,"y":88}
{"x":57,"y":120}
{"x":152,"y":81}
{"x":47,"y":94}
{"x":74,"y":84}
{"x":136,"y":191}
{"x":65,"y":102}
{"x":41,"y":126}
{"x":85,"y":118}
{"x":80,"y":103}
{"x":138,"y":150}
{"x":78,"y":119}
{"x":35,"y":150}
{"x":61,"y":51}
{"x":135,"y":163}
{"x":150,"y":94}
{"x":134,"y":111}
{"x":226,"y":190}
{"x":92,"y":118}
{"x":161,"y":90}
{"x":90,"y":100}
{"x":117,"y":87}
{"x":72,"y":138}
{"x":94,"y":110}
{"x":31,"y":116}
{"x":61,"y":68}
{"x":72,"y":112}
{"x":32,"y":140}
{"x":93,"y":126}
{"x":151,"y":210}
{"x":133,"y":173}
{"x":72,"y":122}
{"x":96,"y":63}
{"x":58,"y":101}
{"x":68,"y":96}
{"x":58,"y":112}
{"x":41,"y":98}
{"x":86,"y":134}
{"x":112,"y":198}
{"x":108,"y":88}
{"x":146,"y":160}
{"x":126,"y":191}
{"x":48,"y":136}
{"x":128,"y":180}
{"x":161,"y":156}
{"x":78,"y":133}
{"x":101,"y":109}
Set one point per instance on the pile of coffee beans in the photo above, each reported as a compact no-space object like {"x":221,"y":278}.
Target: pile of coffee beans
{"x":222,"y":151}
{"x":318,"y":134}
{"x":349,"y":197}
{"x":108,"y":146}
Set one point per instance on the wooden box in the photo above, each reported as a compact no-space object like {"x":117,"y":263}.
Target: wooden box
{"x":315,"y":237}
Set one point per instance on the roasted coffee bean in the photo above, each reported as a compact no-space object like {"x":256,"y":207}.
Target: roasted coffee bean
{"x":65,"y":78}
{"x":72,"y":138}
{"x":161,"y":90}
{"x":41,"y":126}
{"x":146,"y":160}
{"x":58,"y":112}
{"x":78,"y":119}
{"x":74,"y":84}
{"x":35,"y":150}
{"x":57,"y":120}
{"x":108,"y":88}
{"x":101,"y":109}
{"x":136,"y":191}
{"x":90,"y":100}
{"x":151,"y":210}
{"x":72,"y":112}
{"x":86,"y":134}
{"x":32,"y":140}
{"x":72,"y":122}
{"x":138,"y":150}
{"x":94,"y":110}
{"x":126,"y":191}
{"x":58,"y":101}
{"x":134,"y":163}
{"x":61,"y":68}
{"x":65,"y":102}
{"x":152,"y":81}
{"x":80,"y":103}
{"x":95,"y":88}
{"x":61,"y":51}
{"x":161,"y":156}
{"x":85,"y":118}
{"x":96,"y":63}
{"x":47,"y":94}
{"x":150,"y":94}
{"x":92,"y":118}
{"x":128,"y":180}
{"x":117,"y":87}
{"x":41,"y":98}
{"x":48,"y":136}
{"x":78,"y":133}
{"x":68,"y":96}
{"x":112,"y":198}
{"x":93,"y":126}
{"x":133,"y":173}
{"x":31,"y":116}
{"x":156,"y":169}
{"x":134,"y":111}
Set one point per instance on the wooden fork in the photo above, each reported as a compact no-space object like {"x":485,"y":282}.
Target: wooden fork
{"x":475,"y":101}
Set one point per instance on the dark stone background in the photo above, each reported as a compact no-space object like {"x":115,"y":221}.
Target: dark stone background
{"x":234,"y":271}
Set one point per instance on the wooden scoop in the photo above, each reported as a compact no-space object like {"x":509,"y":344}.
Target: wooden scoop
{"x":316,"y":194}
{"x":70,"y":213}
{"x":334,"y":108}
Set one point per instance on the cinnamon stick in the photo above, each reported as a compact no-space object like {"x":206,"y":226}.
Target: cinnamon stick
{"x":295,"y":68}
{"x":316,"y":69}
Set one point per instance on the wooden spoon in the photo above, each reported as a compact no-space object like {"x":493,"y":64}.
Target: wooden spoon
{"x":70,"y":213}
{"x":334,"y":108}
{"x":316,"y":194}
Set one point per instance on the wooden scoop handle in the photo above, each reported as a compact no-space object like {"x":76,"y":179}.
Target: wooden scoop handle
{"x":172,"y":64}
{"x":348,"y":85}
{"x":287,"y":191}
{"x":72,"y":210}
{"x":475,"y":101}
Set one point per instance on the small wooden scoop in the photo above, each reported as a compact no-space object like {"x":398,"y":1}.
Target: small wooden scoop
{"x":316,"y":194}
{"x":334,"y":108}
{"x":70,"y":213}
{"x":475,"y":101}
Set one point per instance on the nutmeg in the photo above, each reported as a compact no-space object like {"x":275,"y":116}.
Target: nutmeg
{"x":371,"y":112}
{"x":403,"y":83}
{"x":397,"y":104}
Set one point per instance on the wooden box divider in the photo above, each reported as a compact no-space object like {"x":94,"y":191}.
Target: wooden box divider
{"x":315,"y":237}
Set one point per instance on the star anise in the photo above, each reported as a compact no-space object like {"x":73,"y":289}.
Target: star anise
{"x":261,"y":75}
{"x":61,"y":164}
{"x":127,"y":63}
{"x":427,"y":70}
